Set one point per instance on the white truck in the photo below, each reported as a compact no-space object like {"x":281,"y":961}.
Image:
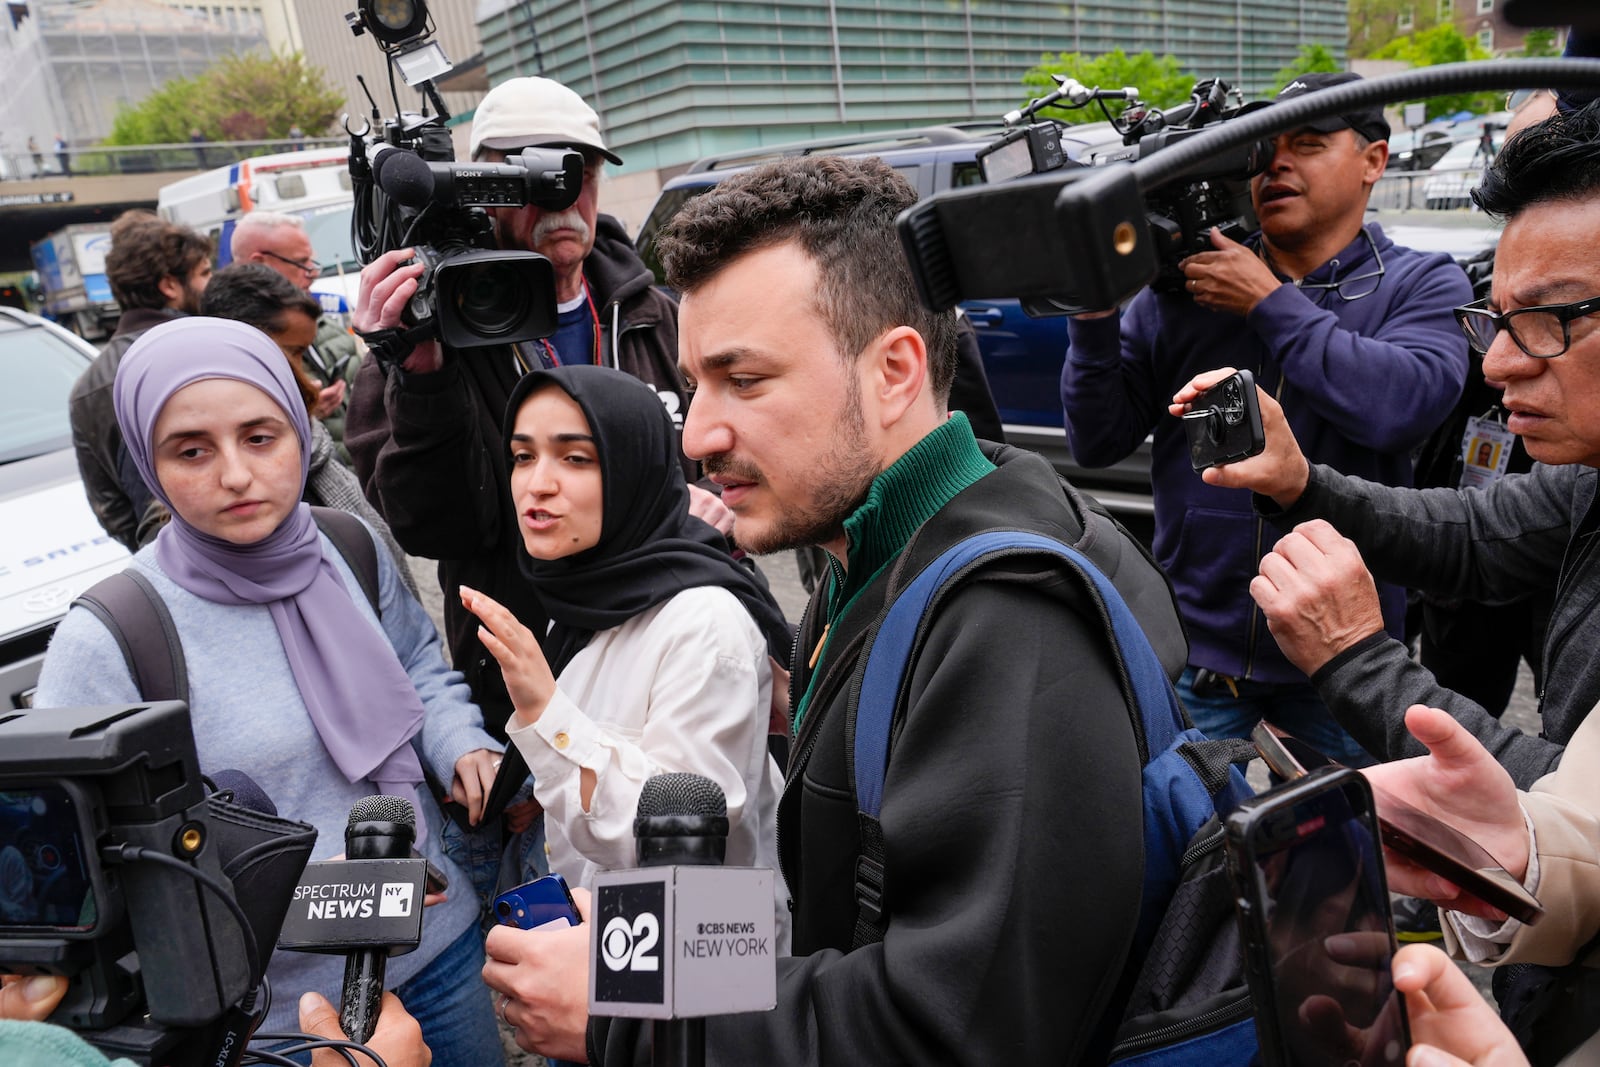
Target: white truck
{"x":314,"y":184}
{"x":71,"y":264}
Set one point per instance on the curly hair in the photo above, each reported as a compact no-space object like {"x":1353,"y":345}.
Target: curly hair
{"x":1557,"y":159}
{"x":146,"y":249}
{"x":841,"y":213}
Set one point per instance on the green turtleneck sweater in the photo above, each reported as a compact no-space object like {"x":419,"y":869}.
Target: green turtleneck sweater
{"x":906,"y":495}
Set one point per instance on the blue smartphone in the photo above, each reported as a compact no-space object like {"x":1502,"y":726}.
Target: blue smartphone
{"x":540,"y":902}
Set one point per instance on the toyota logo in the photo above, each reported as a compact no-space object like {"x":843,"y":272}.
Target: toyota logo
{"x":49,"y":599}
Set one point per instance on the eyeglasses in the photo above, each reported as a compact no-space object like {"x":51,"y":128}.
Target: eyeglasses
{"x":1543,"y":332}
{"x":1518,"y":97}
{"x":1356,"y":286}
{"x":307,"y":265}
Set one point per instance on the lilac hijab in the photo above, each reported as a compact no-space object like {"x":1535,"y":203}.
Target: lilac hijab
{"x":361,"y":701}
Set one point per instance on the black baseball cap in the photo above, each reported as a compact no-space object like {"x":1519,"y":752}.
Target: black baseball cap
{"x":1367,"y":121}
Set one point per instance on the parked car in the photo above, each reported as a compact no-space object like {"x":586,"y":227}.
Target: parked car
{"x":1022,"y":356}
{"x":51,"y":546}
{"x":1418,"y":149}
{"x":1452,"y":179}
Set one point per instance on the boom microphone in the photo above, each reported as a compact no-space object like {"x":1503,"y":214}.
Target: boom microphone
{"x":380,"y":828}
{"x":404,"y":176}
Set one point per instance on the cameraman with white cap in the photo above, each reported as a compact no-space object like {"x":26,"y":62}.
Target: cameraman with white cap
{"x":425,"y":435}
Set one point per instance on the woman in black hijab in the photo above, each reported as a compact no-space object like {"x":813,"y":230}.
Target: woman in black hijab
{"x":659,"y":655}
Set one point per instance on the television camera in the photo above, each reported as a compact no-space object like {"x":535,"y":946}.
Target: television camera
{"x":410,"y":193}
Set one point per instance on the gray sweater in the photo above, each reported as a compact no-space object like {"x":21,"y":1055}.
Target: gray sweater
{"x":248,"y":715}
{"x":1523,"y":533}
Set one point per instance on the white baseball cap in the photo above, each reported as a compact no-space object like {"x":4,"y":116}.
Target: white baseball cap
{"x":536,"y":112}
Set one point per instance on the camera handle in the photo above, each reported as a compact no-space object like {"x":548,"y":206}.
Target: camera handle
{"x":394,"y":344}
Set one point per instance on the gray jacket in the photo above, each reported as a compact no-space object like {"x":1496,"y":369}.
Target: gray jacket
{"x":1494,"y":545}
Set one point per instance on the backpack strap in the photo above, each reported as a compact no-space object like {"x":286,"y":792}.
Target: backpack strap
{"x":1159,"y":721}
{"x":131,"y":609}
{"x":354,"y":542}
{"x":129,"y":606}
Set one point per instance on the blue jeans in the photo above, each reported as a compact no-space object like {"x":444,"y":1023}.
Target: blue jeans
{"x":453,"y":1006}
{"x":1293,"y":707}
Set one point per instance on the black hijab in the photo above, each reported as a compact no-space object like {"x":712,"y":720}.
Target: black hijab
{"x":650,"y":547}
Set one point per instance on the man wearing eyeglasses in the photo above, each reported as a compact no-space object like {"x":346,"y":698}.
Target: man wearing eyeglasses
{"x":1350,"y":332}
{"x":1539,"y":332}
{"x":279,"y":240}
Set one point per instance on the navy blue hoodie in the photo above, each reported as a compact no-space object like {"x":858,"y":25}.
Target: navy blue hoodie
{"x":1362,"y":382}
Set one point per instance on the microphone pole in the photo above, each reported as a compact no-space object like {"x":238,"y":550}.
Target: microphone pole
{"x":683,"y":821}
{"x":380,"y":828}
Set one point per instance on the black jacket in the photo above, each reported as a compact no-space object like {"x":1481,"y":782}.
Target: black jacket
{"x":1011,"y":816}
{"x":116,"y":492}
{"x":428,"y":451}
{"x":1525,"y":532}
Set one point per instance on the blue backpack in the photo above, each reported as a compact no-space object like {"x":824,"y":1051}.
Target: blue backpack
{"x":1189,"y":1002}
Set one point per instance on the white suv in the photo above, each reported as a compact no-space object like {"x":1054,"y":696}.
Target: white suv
{"x":51,"y":546}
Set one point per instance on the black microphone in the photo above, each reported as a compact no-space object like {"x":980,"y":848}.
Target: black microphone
{"x":380,"y":828}
{"x":404,"y":177}
{"x":682,"y":819}
{"x":237,"y":787}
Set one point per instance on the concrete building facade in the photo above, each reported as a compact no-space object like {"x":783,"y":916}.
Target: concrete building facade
{"x":674,"y":80}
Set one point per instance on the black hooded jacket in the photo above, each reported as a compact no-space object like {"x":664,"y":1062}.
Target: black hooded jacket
{"x":1011,"y":817}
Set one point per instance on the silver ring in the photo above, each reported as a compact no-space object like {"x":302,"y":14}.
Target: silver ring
{"x":496,"y":764}
{"x":504,"y":1002}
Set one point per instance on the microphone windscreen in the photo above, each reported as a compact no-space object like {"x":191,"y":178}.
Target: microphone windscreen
{"x":380,"y":808}
{"x":246,"y":794}
{"x":681,"y":793}
{"x":404,"y":176}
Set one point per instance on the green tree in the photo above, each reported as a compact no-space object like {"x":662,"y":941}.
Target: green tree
{"x":1374,"y":23}
{"x":1161,"y":82}
{"x":1313,"y":59}
{"x":1540,"y":42}
{"x":1442,"y":44}
{"x":247,"y":97}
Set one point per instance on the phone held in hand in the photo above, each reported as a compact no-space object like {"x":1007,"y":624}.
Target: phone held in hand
{"x":1313,"y":910}
{"x":1416,"y":835}
{"x":1223,"y":424}
{"x":540,"y":902}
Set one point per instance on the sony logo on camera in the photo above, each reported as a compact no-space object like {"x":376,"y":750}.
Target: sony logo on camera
{"x":682,"y":942}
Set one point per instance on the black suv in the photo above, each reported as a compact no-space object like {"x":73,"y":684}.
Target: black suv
{"x":1022,"y":356}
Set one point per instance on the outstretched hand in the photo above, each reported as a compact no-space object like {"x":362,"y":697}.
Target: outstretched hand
{"x":542,"y":981}
{"x":1280,"y":471}
{"x":522,"y":663}
{"x":1459,"y":783}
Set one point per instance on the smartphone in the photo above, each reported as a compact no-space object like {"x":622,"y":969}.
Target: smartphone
{"x":1308,"y":868}
{"x":540,"y":902}
{"x":1223,"y":423}
{"x":1414,"y":834}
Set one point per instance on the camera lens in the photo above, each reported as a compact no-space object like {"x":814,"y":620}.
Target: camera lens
{"x":488,"y":298}
{"x":503,"y":910}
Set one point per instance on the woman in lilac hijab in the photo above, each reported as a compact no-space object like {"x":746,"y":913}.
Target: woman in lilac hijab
{"x":292,"y":676}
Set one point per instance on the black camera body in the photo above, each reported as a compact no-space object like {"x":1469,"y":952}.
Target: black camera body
{"x":155,"y":958}
{"x":1051,"y":217}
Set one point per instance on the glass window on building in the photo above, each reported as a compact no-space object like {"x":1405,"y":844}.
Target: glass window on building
{"x":1486,"y":38}
{"x":1407,"y":20}
{"x":1485,"y":6}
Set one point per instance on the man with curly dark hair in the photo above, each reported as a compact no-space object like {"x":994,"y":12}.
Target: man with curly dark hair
{"x":157,"y":270}
{"x":821,"y":409}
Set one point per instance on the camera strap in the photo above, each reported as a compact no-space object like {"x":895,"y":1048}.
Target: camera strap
{"x":393,"y":344}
